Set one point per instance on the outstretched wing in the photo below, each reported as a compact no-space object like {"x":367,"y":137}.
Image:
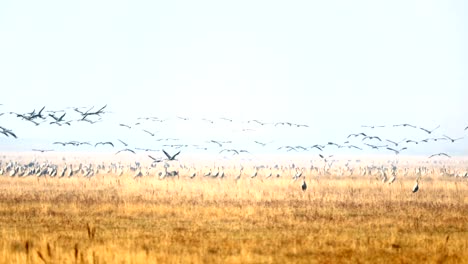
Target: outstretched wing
{"x":175,"y":155}
{"x":435,"y":129}
{"x":425,"y":130}
{"x":394,"y":150}
{"x":11,"y":133}
{"x":154,"y":159}
{"x":167,"y":155}
{"x":132,"y":151}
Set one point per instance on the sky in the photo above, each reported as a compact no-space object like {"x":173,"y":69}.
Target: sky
{"x":333,"y":65}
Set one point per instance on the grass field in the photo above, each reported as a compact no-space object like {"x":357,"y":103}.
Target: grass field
{"x":110,"y":219}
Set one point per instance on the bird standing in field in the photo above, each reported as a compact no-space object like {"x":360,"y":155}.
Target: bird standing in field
{"x":416,"y":186}
{"x":239,"y":175}
{"x":304,"y":185}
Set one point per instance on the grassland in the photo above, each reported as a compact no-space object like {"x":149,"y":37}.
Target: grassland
{"x":110,"y":219}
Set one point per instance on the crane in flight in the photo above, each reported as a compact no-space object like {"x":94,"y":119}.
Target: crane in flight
{"x":169,"y":157}
{"x":151,"y":134}
{"x":258,"y":122}
{"x":216,"y":142}
{"x":439,"y":154}
{"x":404,"y":125}
{"x":104,"y":143}
{"x":128,"y":150}
{"x":235,"y":152}
{"x":395,"y":143}
{"x":397,"y":151}
{"x":319,"y":147}
{"x":375,"y":147}
{"x":227,"y":119}
{"x":371,"y":137}
{"x":429,"y":131}
{"x":262,"y":143}
{"x":42,"y":150}
{"x":357,"y":134}
{"x":155,"y":160}
{"x":452,"y":139}
{"x":352,"y":146}
{"x":7,"y":132}
{"x":124,"y":125}
{"x":125,"y":144}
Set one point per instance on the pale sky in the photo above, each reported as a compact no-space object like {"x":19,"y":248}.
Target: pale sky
{"x":333,"y":65}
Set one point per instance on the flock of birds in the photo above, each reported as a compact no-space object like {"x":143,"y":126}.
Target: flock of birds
{"x":357,"y":141}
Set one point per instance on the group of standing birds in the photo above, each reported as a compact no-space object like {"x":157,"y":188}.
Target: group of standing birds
{"x":415,"y":187}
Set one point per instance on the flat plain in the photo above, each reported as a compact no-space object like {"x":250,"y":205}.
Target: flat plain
{"x":339,"y":219}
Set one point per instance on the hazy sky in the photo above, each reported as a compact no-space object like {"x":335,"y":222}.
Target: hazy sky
{"x":334,"y":65}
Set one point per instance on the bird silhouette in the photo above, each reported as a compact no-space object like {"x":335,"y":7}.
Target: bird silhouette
{"x":125,"y":144}
{"x":429,"y":131}
{"x":439,"y":154}
{"x":155,"y":160}
{"x":374,"y":146}
{"x":42,"y":150}
{"x":358,"y":134}
{"x":319,"y":147}
{"x":352,"y":146}
{"x":256,"y":121}
{"x":7,"y":132}
{"x":216,"y":142}
{"x":397,"y":151}
{"x":230,"y":150}
{"x":124,"y":125}
{"x":405,"y":125}
{"x":169,"y":157}
{"x":412,"y":141}
{"x":128,"y":150}
{"x":416,"y":187}
{"x":147,"y":149}
{"x":104,"y":143}
{"x":371,"y":137}
{"x":452,"y":139}
{"x":395,"y":143}
{"x":151,"y":134}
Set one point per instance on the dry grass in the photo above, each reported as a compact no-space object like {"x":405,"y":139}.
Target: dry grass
{"x":108,"y":219}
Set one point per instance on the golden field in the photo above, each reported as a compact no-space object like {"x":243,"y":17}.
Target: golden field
{"x":348,"y":219}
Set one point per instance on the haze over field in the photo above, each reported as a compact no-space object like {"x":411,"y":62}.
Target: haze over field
{"x":334,"y":66}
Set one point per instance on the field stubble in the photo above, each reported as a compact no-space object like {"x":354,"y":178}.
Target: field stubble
{"x":110,"y":219}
